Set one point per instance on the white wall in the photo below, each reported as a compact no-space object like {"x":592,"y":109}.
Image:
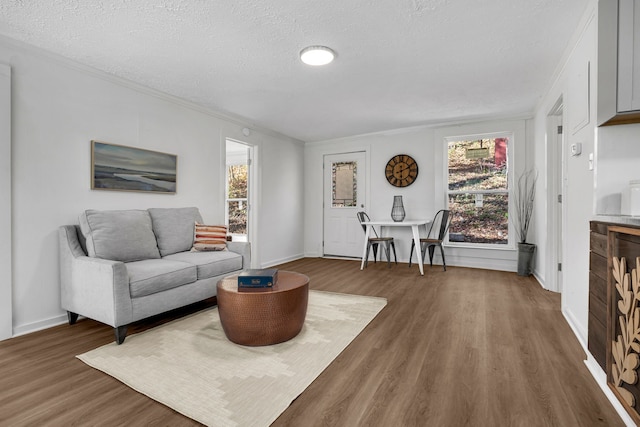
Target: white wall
{"x":281,"y":212}
{"x":5,"y":203}
{"x":279,"y":187}
{"x":59,"y":107}
{"x":418,"y":198}
{"x":585,"y":191}
{"x":422,"y":199}
{"x":618,"y":156}
{"x":575,"y":84}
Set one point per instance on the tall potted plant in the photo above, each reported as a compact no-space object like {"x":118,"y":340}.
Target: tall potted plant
{"x":524,"y":197}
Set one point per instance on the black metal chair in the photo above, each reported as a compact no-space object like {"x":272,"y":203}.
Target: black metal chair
{"x":440,"y":224}
{"x":387,"y":242}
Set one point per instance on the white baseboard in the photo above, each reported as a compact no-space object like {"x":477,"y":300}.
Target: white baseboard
{"x":601,"y":378}
{"x":271,"y":263}
{"x":579,"y":332}
{"x":540,"y":280}
{"x":597,"y":373}
{"x":39,"y":325}
{"x":452,"y":260}
{"x":482,"y":263}
{"x":344,"y":258}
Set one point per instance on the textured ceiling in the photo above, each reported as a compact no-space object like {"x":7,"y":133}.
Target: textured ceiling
{"x":399,"y":63}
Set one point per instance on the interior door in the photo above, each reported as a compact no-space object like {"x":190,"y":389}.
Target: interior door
{"x":344,"y":196}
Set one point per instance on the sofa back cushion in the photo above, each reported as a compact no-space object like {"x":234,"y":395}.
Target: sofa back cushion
{"x":174,"y":228}
{"x":125,"y":235}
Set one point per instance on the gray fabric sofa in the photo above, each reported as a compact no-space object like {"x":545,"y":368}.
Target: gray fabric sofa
{"x":118,"y":267}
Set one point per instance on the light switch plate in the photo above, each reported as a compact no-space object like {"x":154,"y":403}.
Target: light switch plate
{"x":576,"y":149}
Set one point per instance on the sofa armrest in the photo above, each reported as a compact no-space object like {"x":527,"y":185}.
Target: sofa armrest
{"x":244,"y":249}
{"x":92,"y":287}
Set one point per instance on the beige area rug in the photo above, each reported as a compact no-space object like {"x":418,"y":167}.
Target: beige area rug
{"x":190,"y":366}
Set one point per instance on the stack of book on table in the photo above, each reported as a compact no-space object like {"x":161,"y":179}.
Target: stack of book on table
{"x":257,"y":280}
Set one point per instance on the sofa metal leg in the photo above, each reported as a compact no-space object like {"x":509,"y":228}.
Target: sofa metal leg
{"x":72,"y":317}
{"x":121,"y":333}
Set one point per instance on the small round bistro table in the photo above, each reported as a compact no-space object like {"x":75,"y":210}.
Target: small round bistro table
{"x":263,"y":317}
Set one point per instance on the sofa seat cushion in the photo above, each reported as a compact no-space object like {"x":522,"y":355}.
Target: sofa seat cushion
{"x":210,"y":264}
{"x":156,"y":275}
{"x":125,"y":235}
{"x":173,"y":228}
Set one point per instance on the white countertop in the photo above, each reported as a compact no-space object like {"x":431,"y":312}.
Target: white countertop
{"x":618,"y":219}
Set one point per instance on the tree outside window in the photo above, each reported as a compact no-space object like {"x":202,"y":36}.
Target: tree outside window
{"x":478,"y":192}
{"x":237,"y":198}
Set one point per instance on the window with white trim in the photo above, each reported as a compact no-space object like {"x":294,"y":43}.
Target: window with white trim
{"x":237,"y":199}
{"x":478,"y":189}
{"x":237,"y":190}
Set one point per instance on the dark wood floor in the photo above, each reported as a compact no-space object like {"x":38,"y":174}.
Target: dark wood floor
{"x":462,"y":347}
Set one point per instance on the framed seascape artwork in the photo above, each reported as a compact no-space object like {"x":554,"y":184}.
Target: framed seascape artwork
{"x":116,"y":167}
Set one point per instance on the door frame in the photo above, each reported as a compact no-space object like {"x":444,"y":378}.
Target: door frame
{"x":556,"y":184}
{"x":253,"y":192}
{"x":367,"y":177}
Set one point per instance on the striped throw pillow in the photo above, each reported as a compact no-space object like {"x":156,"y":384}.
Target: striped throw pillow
{"x":210,"y":238}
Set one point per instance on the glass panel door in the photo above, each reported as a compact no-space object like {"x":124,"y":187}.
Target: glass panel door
{"x":344,"y":197}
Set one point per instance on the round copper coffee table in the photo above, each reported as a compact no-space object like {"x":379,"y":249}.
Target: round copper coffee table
{"x":263,"y":317}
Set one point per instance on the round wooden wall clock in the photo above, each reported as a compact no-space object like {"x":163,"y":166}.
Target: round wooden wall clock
{"x":401,"y":170}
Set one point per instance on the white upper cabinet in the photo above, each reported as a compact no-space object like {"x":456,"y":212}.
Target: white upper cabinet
{"x":618,"y":62}
{"x":628,"y":55}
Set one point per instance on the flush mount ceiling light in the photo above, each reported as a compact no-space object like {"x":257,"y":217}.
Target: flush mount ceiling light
{"x":317,"y":55}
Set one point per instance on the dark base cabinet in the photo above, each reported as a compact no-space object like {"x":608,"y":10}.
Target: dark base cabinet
{"x":598,"y":293}
{"x":614,"y":309}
